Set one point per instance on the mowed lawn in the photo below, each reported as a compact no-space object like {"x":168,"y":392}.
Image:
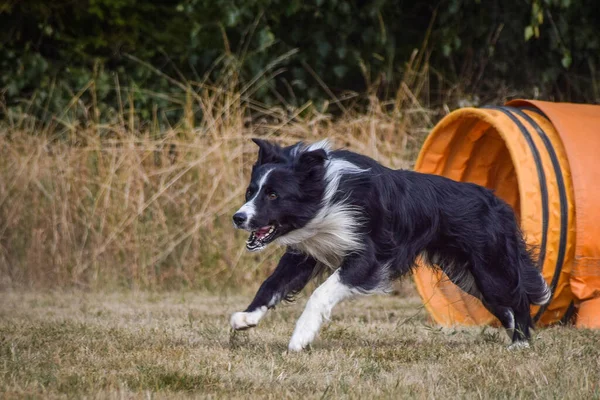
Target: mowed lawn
{"x":178,"y":344}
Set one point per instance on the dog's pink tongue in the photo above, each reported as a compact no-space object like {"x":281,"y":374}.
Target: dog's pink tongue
{"x":262,"y":231}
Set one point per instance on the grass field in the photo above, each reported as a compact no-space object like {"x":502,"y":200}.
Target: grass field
{"x":178,"y":344}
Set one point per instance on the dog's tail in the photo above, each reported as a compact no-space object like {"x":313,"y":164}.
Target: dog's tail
{"x":531,"y":279}
{"x":535,"y":286}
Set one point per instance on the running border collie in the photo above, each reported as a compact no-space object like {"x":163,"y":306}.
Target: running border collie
{"x":338,"y":210}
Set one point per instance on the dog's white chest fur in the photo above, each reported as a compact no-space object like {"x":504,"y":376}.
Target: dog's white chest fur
{"x":333,"y":232}
{"x":328,"y":237}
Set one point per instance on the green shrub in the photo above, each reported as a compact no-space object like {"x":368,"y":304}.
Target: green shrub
{"x":49,"y":51}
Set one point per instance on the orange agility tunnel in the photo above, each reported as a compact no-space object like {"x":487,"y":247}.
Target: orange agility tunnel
{"x":544,"y":160}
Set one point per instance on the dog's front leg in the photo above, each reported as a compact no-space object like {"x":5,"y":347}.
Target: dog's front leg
{"x":318,"y":308}
{"x":291,"y":275}
{"x":359,"y":273}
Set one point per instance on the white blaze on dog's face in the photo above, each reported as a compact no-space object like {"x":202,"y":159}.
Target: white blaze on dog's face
{"x":252,"y":193}
{"x":284,"y":193}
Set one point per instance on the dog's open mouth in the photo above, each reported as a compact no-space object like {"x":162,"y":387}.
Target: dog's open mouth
{"x":261,"y":237}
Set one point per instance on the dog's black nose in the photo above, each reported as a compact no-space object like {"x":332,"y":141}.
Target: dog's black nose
{"x":239,"y":218}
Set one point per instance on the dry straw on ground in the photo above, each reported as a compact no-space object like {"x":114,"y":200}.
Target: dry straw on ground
{"x":178,"y":345}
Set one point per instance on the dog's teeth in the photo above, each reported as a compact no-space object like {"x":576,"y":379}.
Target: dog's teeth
{"x":251,"y":239}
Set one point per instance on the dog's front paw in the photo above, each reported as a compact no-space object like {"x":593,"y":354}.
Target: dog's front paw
{"x":244,"y":320}
{"x":300,"y":340}
{"x":296,"y":346}
{"x":240,"y":321}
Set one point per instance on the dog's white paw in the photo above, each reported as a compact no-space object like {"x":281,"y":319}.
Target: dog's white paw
{"x":300,"y":340}
{"x":519,"y":345}
{"x":244,"y":320}
{"x":240,"y":321}
{"x":306,"y":330}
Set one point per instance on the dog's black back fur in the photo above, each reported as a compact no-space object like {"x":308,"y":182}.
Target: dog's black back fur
{"x":399,"y":215}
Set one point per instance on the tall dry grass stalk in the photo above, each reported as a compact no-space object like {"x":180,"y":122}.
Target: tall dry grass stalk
{"x":127,"y":204}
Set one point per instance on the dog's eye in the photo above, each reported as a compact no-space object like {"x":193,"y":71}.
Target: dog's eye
{"x":248,"y":193}
{"x":272,"y":195}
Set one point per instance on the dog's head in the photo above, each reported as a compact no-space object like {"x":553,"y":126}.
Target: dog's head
{"x":285,"y":192}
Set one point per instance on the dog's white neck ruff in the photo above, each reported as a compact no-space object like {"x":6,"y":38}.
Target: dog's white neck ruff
{"x":333,"y":232}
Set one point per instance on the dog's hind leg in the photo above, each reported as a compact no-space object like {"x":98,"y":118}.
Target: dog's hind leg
{"x":523,"y":322}
{"x":457,"y":268}
{"x":512,"y":313}
{"x":291,"y":275}
{"x":517,"y":331}
{"x":460,"y":274}
{"x":505,"y":315}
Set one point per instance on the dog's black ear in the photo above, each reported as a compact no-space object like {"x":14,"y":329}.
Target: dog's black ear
{"x":311,"y":160}
{"x":267,"y":152}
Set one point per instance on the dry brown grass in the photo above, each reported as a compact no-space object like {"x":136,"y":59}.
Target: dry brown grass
{"x":178,"y":345}
{"x":133,"y":204}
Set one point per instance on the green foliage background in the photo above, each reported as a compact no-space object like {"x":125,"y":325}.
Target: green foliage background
{"x":50,"y":50}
